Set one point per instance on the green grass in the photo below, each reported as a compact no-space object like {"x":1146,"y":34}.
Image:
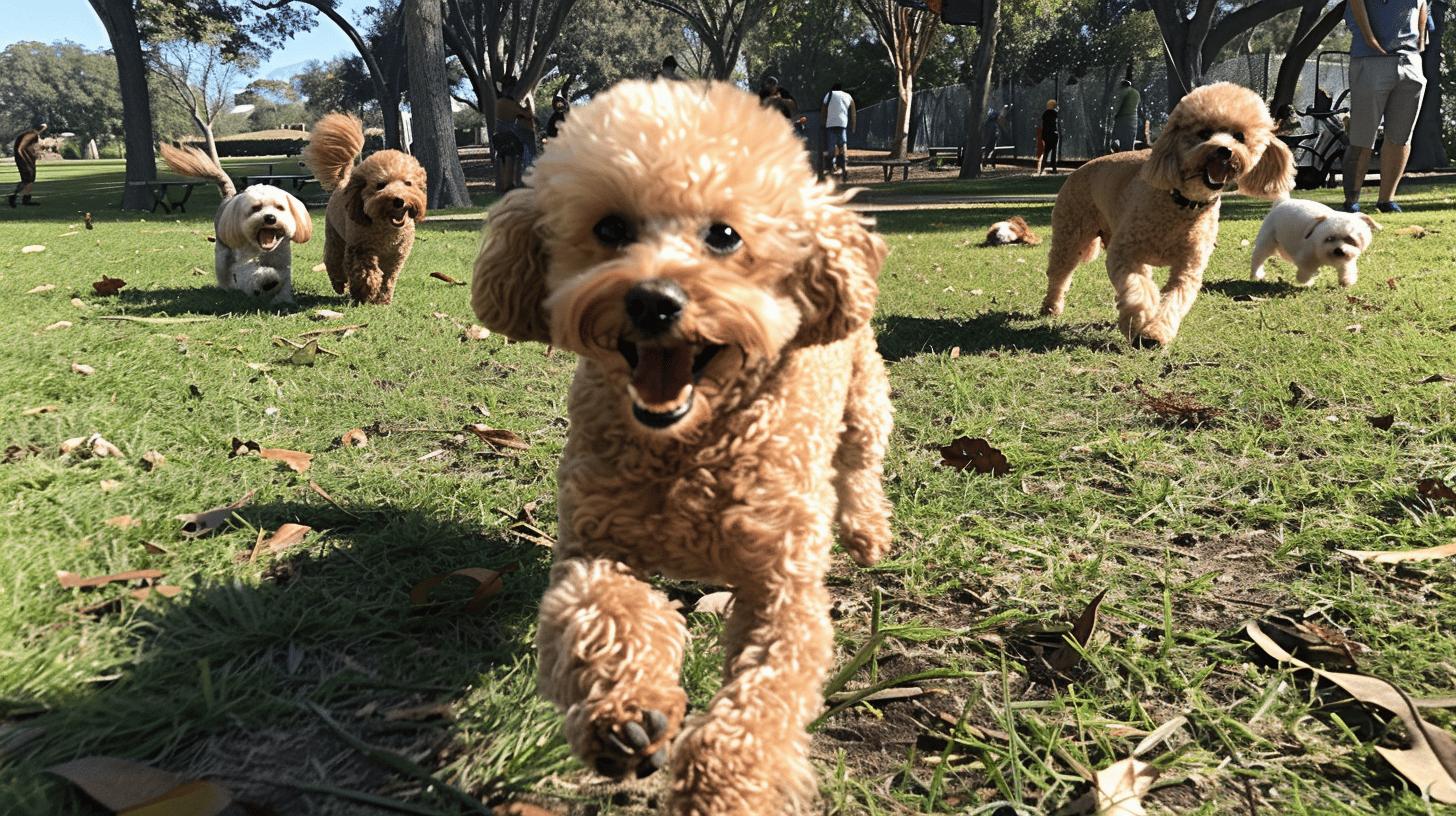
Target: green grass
{"x":1193,"y":530}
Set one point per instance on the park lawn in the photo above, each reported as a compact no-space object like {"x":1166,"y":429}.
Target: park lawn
{"x":255,"y":671}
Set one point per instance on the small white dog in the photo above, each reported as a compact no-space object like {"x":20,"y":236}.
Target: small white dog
{"x":254,"y":229}
{"x":1311,"y":235}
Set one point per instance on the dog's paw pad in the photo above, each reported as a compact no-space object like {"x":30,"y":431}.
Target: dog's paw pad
{"x":1143,"y":341}
{"x":624,"y":747}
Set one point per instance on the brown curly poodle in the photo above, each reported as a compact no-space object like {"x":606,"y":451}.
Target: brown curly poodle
{"x":370,"y":223}
{"x":1160,"y":207}
{"x":729,"y":408}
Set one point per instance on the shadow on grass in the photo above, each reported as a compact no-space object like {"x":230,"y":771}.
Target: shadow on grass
{"x":228,"y":678}
{"x":452,"y":225}
{"x":206,"y":299}
{"x":903,"y":336}
{"x":1243,"y":288}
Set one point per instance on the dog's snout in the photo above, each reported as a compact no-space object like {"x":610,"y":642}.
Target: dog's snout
{"x":270,"y":284}
{"x":655,"y":305}
{"x":270,"y":218}
{"x":1223,"y":153}
{"x":1339,"y":252}
{"x":398,"y":203}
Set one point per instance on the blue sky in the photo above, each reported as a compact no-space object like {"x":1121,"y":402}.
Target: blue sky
{"x":74,"y":20}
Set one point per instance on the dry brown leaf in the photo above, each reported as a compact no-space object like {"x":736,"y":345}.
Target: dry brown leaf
{"x":522,"y":809}
{"x":32,"y":248}
{"x":1065,"y":657}
{"x":151,"y":460}
{"x":327,"y":314}
{"x":82,"y":369}
{"x":446,"y":278}
{"x":498,"y":438}
{"x":1384,"y":422}
{"x":93,"y":445}
{"x":70,"y":580}
{"x":1121,"y":787}
{"x":955,"y":352}
{"x":79,"y":303}
{"x":1393,"y":283}
{"x":122,"y":522}
{"x":40,"y":409}
{"x":1179,"y":409}
{"x":108,"y":485}
{"x":475,"y":333}
{"x":320,"y":267}
{"x":165,"y":590}
{"x":976,"y":454}
{"x":1438,"y":378}
{"x":14,"y":453}
{"x":715,"y":603}
{"x":286,"y":536}
{"x":440,"y":315}
{"x":298,"y":461}
{"x":487,"y":583}
{"x":355,"y":438}
{"x":423,"y":711}
{"x":59,"y":324}
{"x":90,"y":222}
{"x":1429,"y":762}
{"x":200,"y":524}
{"x":1403,"y":556}
{"x":44,"y":287}
{"x":305,"y":354}
{"x":1436,"y":489}
{"x":131,"y":788}
{"x":108,"y":286}
{"x":1414,"y":231}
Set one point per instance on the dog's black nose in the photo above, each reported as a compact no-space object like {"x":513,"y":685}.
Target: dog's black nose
{"x":1223,"y":153}
{"x":655,"y":305}
{"x":1338,"y":252}
{"x":398,"y":202}
{"x":270,"y":218}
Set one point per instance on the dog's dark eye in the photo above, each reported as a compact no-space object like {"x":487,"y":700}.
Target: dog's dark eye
{"x":722,"y":239}
{"x":1206,"y":133}
{"x":613,"y":231}
{"x":409,"y":183}
{"x":379,"y":186}
{"x":1239,"y":137}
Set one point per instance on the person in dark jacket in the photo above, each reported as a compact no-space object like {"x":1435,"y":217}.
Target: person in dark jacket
{"x":1047,"y":136}
{"x":558,"y":115}
{"x":27,"y":153}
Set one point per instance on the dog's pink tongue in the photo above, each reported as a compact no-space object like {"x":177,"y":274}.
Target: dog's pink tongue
{"x":662,"y":373}
{"x":1218,"y":168}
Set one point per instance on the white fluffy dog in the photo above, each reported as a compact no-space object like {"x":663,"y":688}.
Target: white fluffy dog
{"x":1311,"y":235}
{"x":254,"y":229}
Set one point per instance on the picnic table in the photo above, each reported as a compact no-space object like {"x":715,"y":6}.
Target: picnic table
{"x":161,"y":194}
{"x":297,"y":182}
{"x":889,"y":165}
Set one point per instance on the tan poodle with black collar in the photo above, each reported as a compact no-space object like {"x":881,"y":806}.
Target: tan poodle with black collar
{"x":1160,"y":207}
{"x":729,"y":409}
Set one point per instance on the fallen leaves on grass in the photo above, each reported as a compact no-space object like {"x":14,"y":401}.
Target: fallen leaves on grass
{"x":200,"y":524}
{"x":14,"y":453}
{"x":93,"y":445}
{"x":1322,"y":643}
{"x":121,"y":521}
{"x":1393,"y":283}
{"x":305,"y":354}
{"x":130,"y":787}
{"x":40,"y":409}
{"x":165,"y":590}
{"x":327,"y":314}
{"x":44,"y":287}
{"x":355,"y":438}
{"x":30,"y":249}
{"x":964,"y":453}
{"x":82,"y":369}
{"x":59,"y":324}
{"x":1121,"y":786}
{"x":422,"y":711}
{"x":108,"y":485}
{"x":70,"y":580}
{"x":151,"y":460}
{"x":298,"y":461}
{"x":1177,"y":408}
{"x":498,"y":438}
{"x":446,"y":278}
{"x":525,"y":526}
{"x":715,"y":603}
{"x":1438,"y":378}
{"x":1384,"y":422}
{"x":1414,"y":231}
{"x":475,"y":333}
{"x":1435,"y":489}
{"x":1067,"y":656}
{"x":320,"y":267}
{"x":285,"y":537}
{"x":1402,"y":556}
{"x":487,"y":583}
{"x":1301,"y":397}
{"x":108,"y":286}
{"x":1430,"y":760}
{"x":78,"y":303}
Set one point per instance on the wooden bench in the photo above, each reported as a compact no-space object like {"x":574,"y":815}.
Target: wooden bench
{"x":160,"y":194}
{"x":297,"y":182}
{"x":889,"y":166}
{"x":937,"y":152}
{"x":1000,"y":152}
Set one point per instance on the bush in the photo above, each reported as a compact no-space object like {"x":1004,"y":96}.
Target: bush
{"x":259,"y":147}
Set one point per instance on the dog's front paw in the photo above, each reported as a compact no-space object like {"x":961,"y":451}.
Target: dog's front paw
{"x":1153,"y":334}
{"x":618,"y":739}
{"x":1051,"y":307}
{"x":1258,"y":273}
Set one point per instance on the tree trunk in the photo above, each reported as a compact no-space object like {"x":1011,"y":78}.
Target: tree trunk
{"x":434,"y":129}
{"x":1298,"y":55}
{"x":980,"y":90}
{"x":119,"y":18}
{"x":904,"y":97}
{"x":1427,"y":150}
{"x":205,"y":128}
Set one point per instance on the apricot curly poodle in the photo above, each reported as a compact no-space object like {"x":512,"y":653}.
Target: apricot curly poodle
{"x":729,"y":408}
{"x":370,"y":222}
{"x":1160,"y":207}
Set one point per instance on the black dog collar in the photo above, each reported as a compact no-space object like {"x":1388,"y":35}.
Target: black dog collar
{"x":1189,"y":204}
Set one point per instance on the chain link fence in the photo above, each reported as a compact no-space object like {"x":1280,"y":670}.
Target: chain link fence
{"x":1085,"y":104}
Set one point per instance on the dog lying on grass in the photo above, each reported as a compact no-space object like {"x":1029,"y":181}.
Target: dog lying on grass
{"x":1013,"y":230}
{"x":1311,"y":236}
{"x":729,"y":409}
{"x":255,"y":229}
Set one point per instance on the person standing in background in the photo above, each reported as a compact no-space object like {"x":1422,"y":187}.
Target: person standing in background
{"x":1387,"y":82}
{"x":1047,"y":136}
{"x":27,"y":153}
{"x":839,"y":116}
{"x":1125,"y":118}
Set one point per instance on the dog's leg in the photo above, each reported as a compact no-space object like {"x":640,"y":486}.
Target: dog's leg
{"x":747,"y":755}
{"x":334,"y":249}
{"x":1265,"y":246}
{"x":1308,"y":272}
{"x":365,"y":277}
{"x":864,"y":514}
{"x":1349,"y":275}
{"x":1137,"y":301}
{"x":1072,"y":246}
{"x":610,"y":649}
{"x":1184,"y":283}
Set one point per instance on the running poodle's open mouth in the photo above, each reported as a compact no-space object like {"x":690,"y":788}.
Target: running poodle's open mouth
{"x":399,"y":218}
{"x":664,"y":379}
{"x":269,"y":238}
{"x":1219,"y":169}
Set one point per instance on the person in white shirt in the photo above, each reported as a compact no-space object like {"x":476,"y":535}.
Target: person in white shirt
{"x":839,"y":115}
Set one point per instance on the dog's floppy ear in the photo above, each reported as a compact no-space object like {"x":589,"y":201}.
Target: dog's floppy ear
{"x":302,"y":223}
{"x":1164,"y":168}
{"x":1314,"y":225}
{"x":1370,"y":222}
{"x":839,"y":282}
{"x":1273,"y":176}
{"x":354,"y":201}
{"x":509,"y":286}
{"x":231,"y":221}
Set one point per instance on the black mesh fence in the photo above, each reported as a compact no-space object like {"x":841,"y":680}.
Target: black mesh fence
{"x":1085,"y":104}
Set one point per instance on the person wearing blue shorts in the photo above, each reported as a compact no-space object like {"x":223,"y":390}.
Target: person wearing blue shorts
{"x":839,"y":115}
{"x":1386,"y":83}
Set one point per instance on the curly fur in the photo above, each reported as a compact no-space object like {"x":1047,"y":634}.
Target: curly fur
{"x":1013,"y":230}
{"x":255,"y":228}
{"x":1219,"y":135}
{"x":782,"y":433}
{"x":1311,"y":235}
{"x":370,"y":223}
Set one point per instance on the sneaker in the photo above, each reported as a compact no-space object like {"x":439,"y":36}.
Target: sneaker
{"x":1351,"y":206}
{"x":27,"y":202}
{"x":1388,"y":206}
{"x":11,"y":199}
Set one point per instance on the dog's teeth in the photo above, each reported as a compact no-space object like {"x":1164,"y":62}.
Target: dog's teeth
{"x":682,"y":396}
